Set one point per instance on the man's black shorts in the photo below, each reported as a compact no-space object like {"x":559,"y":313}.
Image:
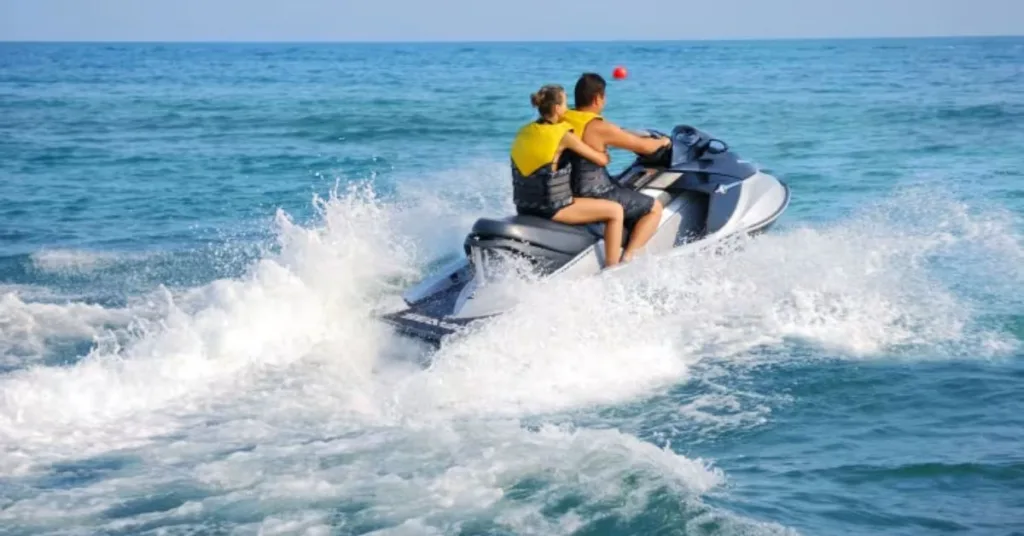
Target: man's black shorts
{"x":635,"y":204}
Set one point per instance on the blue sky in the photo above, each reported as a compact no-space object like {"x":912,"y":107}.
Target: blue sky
{"x":486,"y":20}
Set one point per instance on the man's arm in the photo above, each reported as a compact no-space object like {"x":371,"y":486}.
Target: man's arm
{"x":617,"y":137}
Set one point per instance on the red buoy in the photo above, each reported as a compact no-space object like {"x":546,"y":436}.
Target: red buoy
{"x":619,"y":73}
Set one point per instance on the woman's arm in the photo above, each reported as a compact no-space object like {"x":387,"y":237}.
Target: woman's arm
{"x":575,"y":144}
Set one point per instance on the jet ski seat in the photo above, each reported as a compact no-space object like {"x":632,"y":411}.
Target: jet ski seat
{"x":541,"y":232}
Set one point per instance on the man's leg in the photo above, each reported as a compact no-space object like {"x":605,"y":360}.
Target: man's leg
{"x":642,"y":209}
{"x":643,"y":231}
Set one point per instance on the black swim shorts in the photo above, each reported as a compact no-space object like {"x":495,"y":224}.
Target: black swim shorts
{"x":635,"y":204}
{"x":546,"y":213}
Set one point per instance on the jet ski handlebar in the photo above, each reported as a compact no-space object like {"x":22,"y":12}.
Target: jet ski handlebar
{"x":688,"y":144}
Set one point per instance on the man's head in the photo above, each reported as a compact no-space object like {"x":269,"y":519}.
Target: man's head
{"x":590,"y":92}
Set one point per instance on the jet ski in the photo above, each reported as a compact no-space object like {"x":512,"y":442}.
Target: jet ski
{"x":708,"y":193}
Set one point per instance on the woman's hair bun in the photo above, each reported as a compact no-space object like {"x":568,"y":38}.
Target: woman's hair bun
{"x":547,"y":98}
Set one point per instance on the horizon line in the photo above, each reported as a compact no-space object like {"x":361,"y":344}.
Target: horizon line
{"x":510,"y":41}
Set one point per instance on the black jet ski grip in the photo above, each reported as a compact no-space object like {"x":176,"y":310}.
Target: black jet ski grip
{"x":660,"y":158}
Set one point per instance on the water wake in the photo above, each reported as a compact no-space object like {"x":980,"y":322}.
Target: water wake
{"x":276,"y":396}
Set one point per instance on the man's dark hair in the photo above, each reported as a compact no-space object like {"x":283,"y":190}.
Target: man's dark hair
{"x":588,"y":88}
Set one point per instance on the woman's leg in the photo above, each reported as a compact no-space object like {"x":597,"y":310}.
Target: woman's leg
{"x":588,"y":210}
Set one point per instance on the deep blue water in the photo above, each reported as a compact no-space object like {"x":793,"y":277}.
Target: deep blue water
{"x":194,"y":239}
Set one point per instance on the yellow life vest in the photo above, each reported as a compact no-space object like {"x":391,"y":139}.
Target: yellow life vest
{"x":579,"y":120}
{"x":536,"y":144}
{"x":537,"y":186}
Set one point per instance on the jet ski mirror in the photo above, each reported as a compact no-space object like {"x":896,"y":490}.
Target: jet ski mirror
{"x":716,"y":146}
{"x":690,"y":144}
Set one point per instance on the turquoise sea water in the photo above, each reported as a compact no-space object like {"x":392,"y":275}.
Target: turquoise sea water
{"x":194,"y":239}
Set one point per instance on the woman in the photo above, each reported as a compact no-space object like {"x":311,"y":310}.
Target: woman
{"x":540,"y":173}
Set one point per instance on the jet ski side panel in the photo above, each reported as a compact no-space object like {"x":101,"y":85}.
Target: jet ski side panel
{"x":682,"y":221}
{"x":747,"y":205}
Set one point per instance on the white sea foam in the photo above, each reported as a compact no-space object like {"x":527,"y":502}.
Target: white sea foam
{"x":71,"y":260}
{"x":310,"y":298}
{"x":277,"y":399}
{"x":27,"y":329}
{"x":439,"y":208}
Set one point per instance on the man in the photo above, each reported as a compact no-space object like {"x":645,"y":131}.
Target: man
{"x":591,"y":180}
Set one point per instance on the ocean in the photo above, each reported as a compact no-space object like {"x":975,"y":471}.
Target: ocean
{"x":195,"y":240}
